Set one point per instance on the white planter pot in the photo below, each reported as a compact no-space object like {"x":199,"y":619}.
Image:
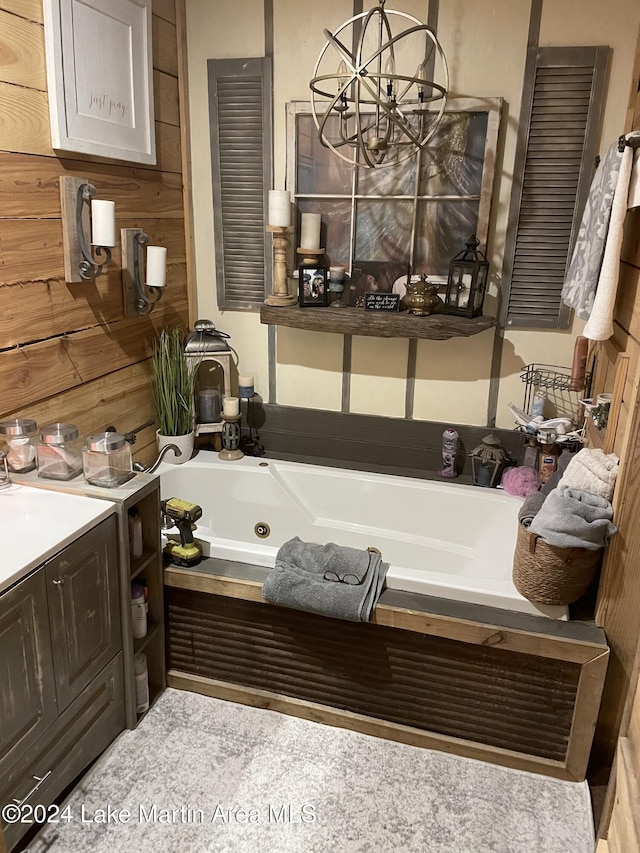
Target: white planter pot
{"x":183,"y":442}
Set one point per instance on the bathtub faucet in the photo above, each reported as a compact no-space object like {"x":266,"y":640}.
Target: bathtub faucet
{"x":140,"y":469}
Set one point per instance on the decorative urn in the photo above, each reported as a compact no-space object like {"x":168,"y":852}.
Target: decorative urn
{"x":422,"y":297}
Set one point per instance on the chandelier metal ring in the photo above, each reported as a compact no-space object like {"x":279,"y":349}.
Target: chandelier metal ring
{"x":375,"y":114}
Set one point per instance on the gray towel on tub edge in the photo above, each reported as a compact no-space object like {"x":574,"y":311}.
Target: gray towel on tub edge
{"x":297,"y":580}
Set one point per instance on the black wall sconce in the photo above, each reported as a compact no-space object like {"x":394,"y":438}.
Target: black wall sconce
{"x":77,"y":196}
{"x":142,"y":282}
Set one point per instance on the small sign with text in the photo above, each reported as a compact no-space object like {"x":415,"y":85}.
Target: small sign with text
{"x":382,"y":301}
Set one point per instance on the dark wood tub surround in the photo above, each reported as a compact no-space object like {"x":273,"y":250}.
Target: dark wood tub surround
{"x":509,"y":688}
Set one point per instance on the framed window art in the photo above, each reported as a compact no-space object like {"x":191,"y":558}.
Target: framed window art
{"x":100,"y":77}
{"x":417,"y":213}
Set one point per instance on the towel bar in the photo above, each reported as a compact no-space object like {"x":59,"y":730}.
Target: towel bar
{"x":633,"y":142}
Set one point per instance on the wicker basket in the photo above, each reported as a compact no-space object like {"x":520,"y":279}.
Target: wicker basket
{"x":545,"y":574}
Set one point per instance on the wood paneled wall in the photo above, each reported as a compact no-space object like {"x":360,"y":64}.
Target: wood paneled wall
{"x":618,"y":609}
{"x":66,"y":351}
{"x":620,"y":824}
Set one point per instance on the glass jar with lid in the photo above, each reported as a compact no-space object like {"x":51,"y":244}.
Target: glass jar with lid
{"x":59,"y":452}
{"x":106,"y":459}
{"x":18,"y":438}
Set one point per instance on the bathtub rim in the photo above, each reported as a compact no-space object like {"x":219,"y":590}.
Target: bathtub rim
{"x":459,"y":588}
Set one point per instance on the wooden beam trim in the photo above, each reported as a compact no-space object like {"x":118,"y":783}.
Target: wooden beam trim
{"x":585,"y":716}
{"x":362,"y":723}
{"x":476,"y":633}
{"x":185,"y":151}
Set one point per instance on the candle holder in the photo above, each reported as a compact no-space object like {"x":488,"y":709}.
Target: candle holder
{"x":337,"y":286}
{"x":230,"y":438}
{"x":310,"y":257}
{"x":280,"y":295}
{"x":251,"y":444}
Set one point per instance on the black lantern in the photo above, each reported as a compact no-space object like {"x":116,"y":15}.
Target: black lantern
{"x":467,"y":282}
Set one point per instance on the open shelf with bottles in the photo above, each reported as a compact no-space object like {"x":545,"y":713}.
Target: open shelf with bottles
{"x":147,"y":569}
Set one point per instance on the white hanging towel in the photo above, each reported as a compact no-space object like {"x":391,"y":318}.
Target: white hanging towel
{"x":592,"y":278}
{"x":634,"y":188}
{"x":600,"y":324}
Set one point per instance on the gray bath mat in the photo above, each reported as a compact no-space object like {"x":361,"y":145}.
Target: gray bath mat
{"x":201,"y":775}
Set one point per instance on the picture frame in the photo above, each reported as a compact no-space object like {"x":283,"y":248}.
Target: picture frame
{"x":312,"y":286}
{"x":100,"y":78}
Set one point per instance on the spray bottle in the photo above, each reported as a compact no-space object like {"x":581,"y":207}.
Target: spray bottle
{"x":450,"y":440}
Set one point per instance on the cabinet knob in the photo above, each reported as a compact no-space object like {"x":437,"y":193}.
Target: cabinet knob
{"x":58,"y":582}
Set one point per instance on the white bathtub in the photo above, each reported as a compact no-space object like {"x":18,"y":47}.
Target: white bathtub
{"x":439,"y":538}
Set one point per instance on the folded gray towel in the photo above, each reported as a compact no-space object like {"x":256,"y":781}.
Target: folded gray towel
{"x":330,"y":580}
{"x":574,"y":518}
{"x":530,"y":508}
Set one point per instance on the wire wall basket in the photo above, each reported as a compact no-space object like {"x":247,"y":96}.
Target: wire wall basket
{"x":554,"y":381}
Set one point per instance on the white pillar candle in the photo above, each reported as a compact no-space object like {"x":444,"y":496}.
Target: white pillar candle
{"x":156,"y":266}
{"x":310,"y":231}
{"x":103,"y":222}
{"x":246,"y":386}
{"x":280,"y":208}
{"x":231,"y":407}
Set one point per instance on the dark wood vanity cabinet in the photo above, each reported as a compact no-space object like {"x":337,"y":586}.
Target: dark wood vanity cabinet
{"x":61,"y":671}
{"x":84,"y":609}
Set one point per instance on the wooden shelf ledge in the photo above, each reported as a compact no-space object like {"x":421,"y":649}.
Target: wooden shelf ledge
{"x":357,"y":321}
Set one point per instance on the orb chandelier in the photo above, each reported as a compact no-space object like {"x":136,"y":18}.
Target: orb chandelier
{"x":383,"y":115}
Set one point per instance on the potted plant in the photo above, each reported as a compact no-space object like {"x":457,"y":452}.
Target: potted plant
{"x":174,"y":376}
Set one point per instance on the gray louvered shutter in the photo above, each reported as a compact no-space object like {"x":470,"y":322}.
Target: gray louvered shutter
{"x":555,"y":160}
{"x":240,"y":119}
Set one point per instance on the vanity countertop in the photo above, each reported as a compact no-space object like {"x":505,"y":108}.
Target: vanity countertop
{"x":37,"y":523}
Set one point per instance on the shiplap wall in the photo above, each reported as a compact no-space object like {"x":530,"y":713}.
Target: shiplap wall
{"x":618,"y":610}
{"x":66,"y":351}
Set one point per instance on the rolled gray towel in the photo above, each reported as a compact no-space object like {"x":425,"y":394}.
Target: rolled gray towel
{"x":298,"y":580}
{"x":574,"y":518}
{"x":530,"y":508}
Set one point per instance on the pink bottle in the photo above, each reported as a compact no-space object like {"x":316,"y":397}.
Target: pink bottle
{"x":450,"y":441}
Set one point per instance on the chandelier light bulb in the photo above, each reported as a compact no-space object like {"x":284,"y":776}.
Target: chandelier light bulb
{"x":390,"y":71}
{"x":421,"y":79}
{"x":342,"y":74}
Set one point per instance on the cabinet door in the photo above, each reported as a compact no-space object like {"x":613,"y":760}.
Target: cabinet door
{"x":27,"y":691}
{"x":82,"y":587}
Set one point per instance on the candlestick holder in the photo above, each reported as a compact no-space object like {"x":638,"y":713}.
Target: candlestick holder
{"x":337,"y":287}
{"x":309,"y":257}
{"x":251,"y":444}
{"x":280,"y":295}
{"x":230,"y":438}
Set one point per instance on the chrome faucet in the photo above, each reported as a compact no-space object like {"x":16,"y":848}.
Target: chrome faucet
{"x":140,"y":469}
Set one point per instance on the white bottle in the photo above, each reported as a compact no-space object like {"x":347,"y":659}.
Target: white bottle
{"x":539,"y":400}
{"x":142,"y":683}
{"x":138,"y":611}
